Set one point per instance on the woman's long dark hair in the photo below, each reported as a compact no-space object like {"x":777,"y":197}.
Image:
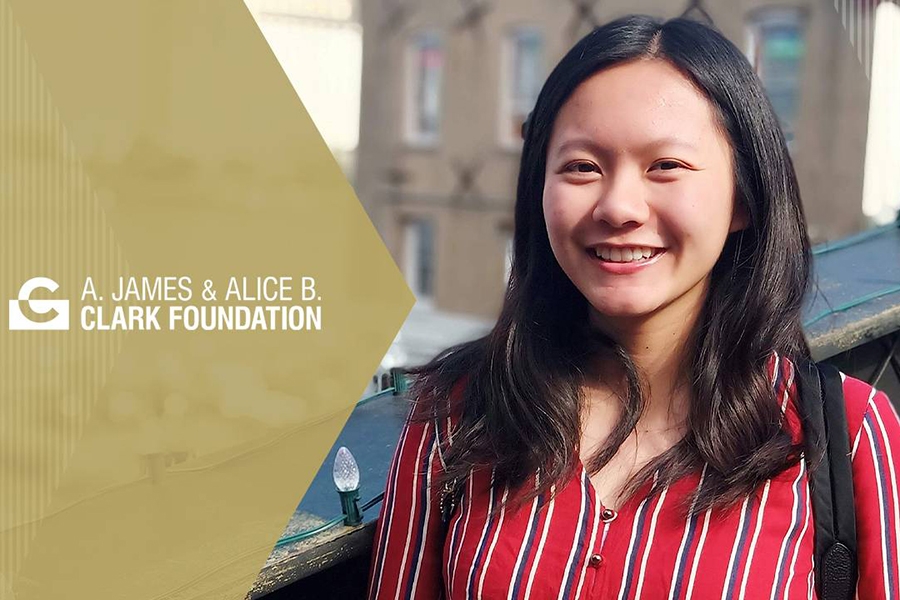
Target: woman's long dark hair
{"x":520,"y":406}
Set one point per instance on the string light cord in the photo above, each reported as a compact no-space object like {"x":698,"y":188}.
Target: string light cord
{"x":305,"y":535}
{"x":852,"y":304}
{"x":385,"y":392}
{"x":853,"y":240}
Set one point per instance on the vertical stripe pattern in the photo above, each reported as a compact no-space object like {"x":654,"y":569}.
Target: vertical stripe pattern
{"x":564,"y":545}
{"x":53,"y":226}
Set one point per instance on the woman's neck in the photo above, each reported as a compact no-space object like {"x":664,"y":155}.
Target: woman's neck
{"x":659,"y":346}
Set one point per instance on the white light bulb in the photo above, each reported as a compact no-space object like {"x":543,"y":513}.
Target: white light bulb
{"x":346,"y":472}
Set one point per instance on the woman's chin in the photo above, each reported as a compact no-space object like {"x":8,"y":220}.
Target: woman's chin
{"x":621,"y":310}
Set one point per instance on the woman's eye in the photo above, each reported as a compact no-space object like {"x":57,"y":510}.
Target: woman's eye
{"x":666,"y":165}
{"x":582,"y":167}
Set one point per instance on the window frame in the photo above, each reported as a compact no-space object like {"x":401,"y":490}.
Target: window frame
{"x":507,"y":138}
{"x":412,"y":257}
{"x":755,"y":23}
{"x":412,"y":134}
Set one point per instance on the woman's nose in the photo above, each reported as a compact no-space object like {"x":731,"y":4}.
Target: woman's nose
{"x":622,"y":202}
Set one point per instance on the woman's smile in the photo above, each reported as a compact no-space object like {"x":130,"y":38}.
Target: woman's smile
{"x":626,"y":260}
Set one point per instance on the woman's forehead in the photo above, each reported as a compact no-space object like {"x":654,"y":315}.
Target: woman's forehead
{"x":642,"y":104}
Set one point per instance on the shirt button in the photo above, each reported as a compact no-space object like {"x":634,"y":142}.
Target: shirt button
{"x":595,"y":560}
{"x":607,"y":515}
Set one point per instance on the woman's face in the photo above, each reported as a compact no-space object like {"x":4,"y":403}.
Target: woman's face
{"x":639,"y":190}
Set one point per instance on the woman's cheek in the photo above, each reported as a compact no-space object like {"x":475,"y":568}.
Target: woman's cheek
{"x":554,"y":214}
{"x":566,"y":204}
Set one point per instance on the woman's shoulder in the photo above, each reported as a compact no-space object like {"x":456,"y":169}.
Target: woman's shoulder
{"x":426,"y":404}
{"x":437,"y":415}
{"x":860,"y":398}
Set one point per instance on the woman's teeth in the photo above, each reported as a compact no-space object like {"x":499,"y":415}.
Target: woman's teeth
{"x":624,"y":254}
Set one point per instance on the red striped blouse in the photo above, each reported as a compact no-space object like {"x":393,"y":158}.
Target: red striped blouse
{"x":567,"y":545}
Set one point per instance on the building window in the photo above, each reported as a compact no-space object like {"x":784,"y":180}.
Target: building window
{"x":424,"y":76}
{"x":418,"y":257}
{"x":775,"y":47}
{"x":522,"y":74}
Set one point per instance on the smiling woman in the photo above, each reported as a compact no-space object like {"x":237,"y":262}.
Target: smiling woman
{"x":649,"y":171}
{"x":630,"y":427}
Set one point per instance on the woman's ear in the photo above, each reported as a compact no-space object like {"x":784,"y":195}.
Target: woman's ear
{"x":740,"y":218}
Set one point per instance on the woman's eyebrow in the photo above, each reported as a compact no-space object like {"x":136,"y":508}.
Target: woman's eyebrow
{"x":581,"y":144}
{"x":670,"y":141}
{"x":601,"y":150}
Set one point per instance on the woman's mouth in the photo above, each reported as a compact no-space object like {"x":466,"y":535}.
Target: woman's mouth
{"x":624,"y":260}
{"x":629,"y":254}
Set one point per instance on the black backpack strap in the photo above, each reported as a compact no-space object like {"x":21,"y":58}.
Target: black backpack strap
{"x":824,"y":419}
